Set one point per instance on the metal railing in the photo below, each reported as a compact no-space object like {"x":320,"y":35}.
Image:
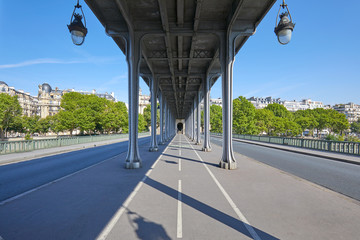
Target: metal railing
{"x":30,"y":145}
{"x":352,"y":148}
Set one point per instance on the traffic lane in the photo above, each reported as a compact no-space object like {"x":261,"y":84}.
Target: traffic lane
{"x":338,"y":176}
{"x":20,"y":177}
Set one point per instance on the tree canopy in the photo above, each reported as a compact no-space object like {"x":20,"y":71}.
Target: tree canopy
{"x":10,"y":109}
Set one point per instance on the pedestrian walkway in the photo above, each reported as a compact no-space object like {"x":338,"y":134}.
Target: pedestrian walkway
{"x":181,"y":193}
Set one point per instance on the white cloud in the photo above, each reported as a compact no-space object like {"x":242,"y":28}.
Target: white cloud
{"x":58,"y":61}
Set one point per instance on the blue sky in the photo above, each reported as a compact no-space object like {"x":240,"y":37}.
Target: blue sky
{"x":322,"y":62}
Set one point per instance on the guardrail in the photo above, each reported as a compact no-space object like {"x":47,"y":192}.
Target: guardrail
{"x":352,"y":148}
{"x":30,"y":145}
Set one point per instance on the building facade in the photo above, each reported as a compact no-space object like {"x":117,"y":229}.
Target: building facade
{"x":28,"y":103}
{"x":144,"y":101}
{"x":48,"y":100}
{"x":291,"y":106}
{"x":351,"y":111}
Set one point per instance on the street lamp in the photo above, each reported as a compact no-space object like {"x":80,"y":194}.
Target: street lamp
{"x":284,"y":29}
{"x":77,"y":29}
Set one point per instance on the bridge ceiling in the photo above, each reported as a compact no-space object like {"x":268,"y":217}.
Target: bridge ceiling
{"x":181,"y":45}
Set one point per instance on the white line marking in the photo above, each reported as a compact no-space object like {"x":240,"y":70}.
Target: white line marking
{"x":179,"y":213}
{"x":231,"y":202}
{"x":105,"y":232}
{"x":179,"y":164}
{"x":54,"y":181}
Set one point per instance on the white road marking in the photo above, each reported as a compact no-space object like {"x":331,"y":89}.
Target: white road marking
{"x":54,"y":181}
{"x":179,"y":213}
{"x":105,"y":232}
{"x":179,"y":164}
{"x":230,"y":201}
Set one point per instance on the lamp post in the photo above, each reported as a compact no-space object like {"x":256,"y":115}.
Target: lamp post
{"x":77,"y":29}
{"x":284,"y":29}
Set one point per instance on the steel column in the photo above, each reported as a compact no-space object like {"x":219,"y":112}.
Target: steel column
{"x":133,"y":58}
{"x":206,"y":93}
{"x":227,"y":62}
{"x":198,"y":118}
{"x":154,"y":86}
{"x":161,"y":100}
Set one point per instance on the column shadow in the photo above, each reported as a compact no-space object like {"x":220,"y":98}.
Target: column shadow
{"x":190,"y":159}
{"x":222,"y":217}
{"x":146,"y":229}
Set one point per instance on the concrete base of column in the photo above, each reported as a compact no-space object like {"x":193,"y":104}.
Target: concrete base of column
{"x":207,"y":149}
{"x":226,"y":165}
{"x":197,"y":143}
{"x":153,"y":149}
{"x":132,"y":165}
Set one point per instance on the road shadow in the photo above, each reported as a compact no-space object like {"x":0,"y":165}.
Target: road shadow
{"x":146,"y":229}
{"x":79,"y":206}
{"x":222,"y":217}
{"x":192,"y":160}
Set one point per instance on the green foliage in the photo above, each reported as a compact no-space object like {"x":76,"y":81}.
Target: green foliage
{"x":141,"y":123}
{"x":202,"y":119}
{"x":216,"y":118}
{"x":355,"y":127}
{"x":91,"y":114}
{"x":28,"y":137}
{"x":353,"y":139}
{"x":9,"y":110}
{"x":31,"y":124}
{"x":244,"y":117}
{"x":147,"y":116}
{"x":264,"y":120}
{"x":279,"y":110}
{"x":333,"y":137}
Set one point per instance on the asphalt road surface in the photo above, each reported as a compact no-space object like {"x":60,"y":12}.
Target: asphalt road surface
{"x":338,"y":176}
{"x":20,"y":177}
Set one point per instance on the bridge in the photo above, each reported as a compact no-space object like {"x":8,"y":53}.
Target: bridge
{"x":176,"y":189}
{"x":180,"y":48}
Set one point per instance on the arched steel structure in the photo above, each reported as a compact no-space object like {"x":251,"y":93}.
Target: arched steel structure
{"x":180,"y":48}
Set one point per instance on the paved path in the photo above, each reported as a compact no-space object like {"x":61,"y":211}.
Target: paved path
{"x":181,"y":193}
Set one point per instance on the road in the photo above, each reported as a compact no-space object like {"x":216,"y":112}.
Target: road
{"x":20,"y":177}
{"x":338,"y":176}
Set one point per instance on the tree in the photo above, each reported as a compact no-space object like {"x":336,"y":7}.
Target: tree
{"x":244,"y":117}
{"x":44,"y":125}
{"x":147,"y":116}
{"x":9,"y":110}
{"x":216,"y":118}
{"x":279,"y":110}
{"x":70,"y":104}
{"x":31,"y":124}
{"x":55,"y":124}
{"x":141,"y":123}
{"x":338,"y":121}
{"x":355,"y":127}
{"x":114,"y":117}
{"x":264,"y":120}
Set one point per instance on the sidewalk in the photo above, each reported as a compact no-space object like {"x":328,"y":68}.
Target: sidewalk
{"x":317,"y":153}
{"x":24,"y":156}
{"x":181,"y":193}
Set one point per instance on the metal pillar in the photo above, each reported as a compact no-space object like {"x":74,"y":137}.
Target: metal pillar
{"x":167,"y":125}
{"x":133,"y":58}
{"x":227,"y":56}
{"x":154,"y":86}
{"x":206,"y":93}
{"x":161,"y":100}
{"x":198,"y":117}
